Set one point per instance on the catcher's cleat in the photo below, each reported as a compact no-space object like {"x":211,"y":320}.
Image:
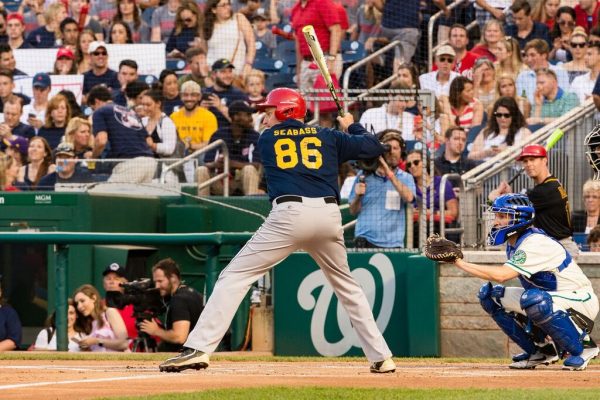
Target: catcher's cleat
{"x":383,"y":367}
{"x":541,"y":356}
{"x":188,"y":359}
{"x":580,"y":362}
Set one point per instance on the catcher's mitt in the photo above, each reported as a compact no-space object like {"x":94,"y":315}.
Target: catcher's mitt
{"x":439,"y":249}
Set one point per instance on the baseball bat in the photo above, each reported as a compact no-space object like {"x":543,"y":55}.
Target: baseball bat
{"x":317,"y":53}
{"x":550,"y":143}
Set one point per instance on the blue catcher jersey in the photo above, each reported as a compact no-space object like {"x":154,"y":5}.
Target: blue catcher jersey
{"x":303,"y":160}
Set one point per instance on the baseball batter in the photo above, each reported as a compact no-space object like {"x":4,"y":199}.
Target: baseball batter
{"x":556,"y":299}
{"x":301,"y":166}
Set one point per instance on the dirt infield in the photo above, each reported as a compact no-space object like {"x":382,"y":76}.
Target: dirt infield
{"x":83,"y":379}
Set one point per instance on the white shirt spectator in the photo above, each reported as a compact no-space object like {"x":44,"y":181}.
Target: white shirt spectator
{"x":378,"y":119}
{"x":29,"y":109}
{"x":429,"y":81}
{"x":582,"y":86}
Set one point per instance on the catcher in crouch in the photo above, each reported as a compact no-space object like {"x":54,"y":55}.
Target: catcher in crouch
{"x":556,"y":300}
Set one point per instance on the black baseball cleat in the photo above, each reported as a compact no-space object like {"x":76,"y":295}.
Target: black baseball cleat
{"x":188,"y":359}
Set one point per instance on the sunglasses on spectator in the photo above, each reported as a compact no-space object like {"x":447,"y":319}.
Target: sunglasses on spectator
{"x":446,"y":59}
{"x":100,"y":53}
{"x":411,"y":163}
{"x":502,"y":115}
{"x":569,"y":23}
{"x":581,"y":45}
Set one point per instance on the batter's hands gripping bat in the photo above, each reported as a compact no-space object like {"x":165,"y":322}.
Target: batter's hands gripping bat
{"x":317,"y":53}
{"x":552,"y":140}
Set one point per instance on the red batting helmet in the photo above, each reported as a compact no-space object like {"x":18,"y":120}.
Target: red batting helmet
{"x":288,"y":103}
{"x":532,"y":150}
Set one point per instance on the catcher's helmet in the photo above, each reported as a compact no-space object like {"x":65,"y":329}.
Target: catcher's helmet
{"x":521,"y":213}
{"x":532,"y":150}
{"x":592,"y":141}
{"x":288,"y":103}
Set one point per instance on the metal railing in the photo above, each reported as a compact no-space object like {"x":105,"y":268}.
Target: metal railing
{"x":442,"y":197}
{"x":566,"y":159}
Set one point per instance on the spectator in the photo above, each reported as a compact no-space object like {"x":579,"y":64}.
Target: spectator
{"x":586,"y":14}
{"x":112,"y":278}
{"x":280,"y":11}
{"x":325,"y":18}
{"x":508,"y":58}
{"x":491,"y":35}
{"x":163,"y":21}
{"x":89,"y":23}
{"x":454,"y":160}
{"x":184,"y":306}
{"x":583,"y":85}
{"x":230,"y":35}
{"x":10,"y":326}
{"x":458,"y":39}
{"x":103,"y":327}
{"x":403,"y":26}
{"x":98,"y":97}
{"x":46,"y":36}
{"x":78,"y":134}
{"x":15,"y":29}
{"x":255,"y":87}
{"x":262,"y":33}
{"x":250,"y":8}
{"x":170,"y":89}
{"x":34,"y":16}
{"x":548,"y":196}
{"x":187,"y":32}
{"x":9,"y":169}
{"x":120,"y":33}
{"x":82,"y":55}
{"x":199,"y":69}
{"x":73,"y":104}
{"x":17,"y":148}
{"x":391,"y":115}
{"x":379,"y":198}
{"x":414,"y":166}
{"x":104,"y":12}
{"x":536,"y":57}
{"x":367,"y":30}
{"x":67,"y":170}
{"x":12,"y":126}
{"x":128,"y":72}
{"x":577,"y":47}
{"x":34,"y":113}
{"x":593,"y":240}
{"x":129,"y":13}
{"x":491,"y":10}
{"x":506,"y":127}
{"x":506,"y":87}
{"x":439,"y":81}
{"x":7,"y":60}
{"x":40,"y":164}
{"x":244,"y":158}
{"x":585,"y":220}
{"x":408,"y":77}
{"x":545,"y":11}
{"x":58,"y":115}
{"x":561,"y":33}
{"x":46,"y":339}
{"x":3,"y":16}
{"x":484,"y":82}
{"x":461,"y":105}
{"x":69,"y":33}
{"x":550,"y":100}
{"x":99,"y":73}
{"x":222,"y":93}
{"x":195,"y":124}
{"x":65,"y":62}
{"x":525,"y":28}
{"x":123,"y":130}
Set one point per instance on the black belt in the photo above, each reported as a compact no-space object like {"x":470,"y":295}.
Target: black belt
{"x":298,"y":199}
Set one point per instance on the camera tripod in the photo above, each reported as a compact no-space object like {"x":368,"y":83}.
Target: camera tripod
{"x":144,"y":343}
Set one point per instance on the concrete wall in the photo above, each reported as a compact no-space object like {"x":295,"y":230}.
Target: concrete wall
{"x":466,"y":330}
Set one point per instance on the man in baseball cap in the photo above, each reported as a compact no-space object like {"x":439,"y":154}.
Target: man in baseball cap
{"x":439,"y":81}
{"x":99,"y":73}
{"x":223,"y":92}
{"x":66,"y":171}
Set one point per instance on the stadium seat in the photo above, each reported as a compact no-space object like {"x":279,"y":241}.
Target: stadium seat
{"x":352,"y":51}
{"x":286,"y":51}
{"x":284,"y":79}
{"x":149,"y":79}
{"x":175,"y":64}
{"x":269,"y":65}
{"x":262,"y":50}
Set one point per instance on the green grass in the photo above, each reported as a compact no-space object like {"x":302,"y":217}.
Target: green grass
{"x":278,"y":393}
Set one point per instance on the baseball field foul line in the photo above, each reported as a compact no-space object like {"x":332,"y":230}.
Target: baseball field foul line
{"x":116,"y":378}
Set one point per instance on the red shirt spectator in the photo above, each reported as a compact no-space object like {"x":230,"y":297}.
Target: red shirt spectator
{"x":344,"y":23}
{"x":585,"y":20}
{"x":321,"y":14}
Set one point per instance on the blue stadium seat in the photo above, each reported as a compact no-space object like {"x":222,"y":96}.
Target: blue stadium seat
{"x":269,"y":65}
{"x":284,"y":79}
{"x":262,"y":50}
{"x":352,"y":51}
{"x":286,"y":51}
{"x":175,"y":64}
{"x":149,"y":79}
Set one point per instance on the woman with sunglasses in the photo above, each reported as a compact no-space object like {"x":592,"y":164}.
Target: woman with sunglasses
{"x":507,"y":87}
{"x":577,"y":47}
{"x":506,"y":127}
{"x":561,"y":33}
{"x":545,"y":12}
{"x":187,"y":32}
{"x":589,"y":217}
{"x":508,"y":58}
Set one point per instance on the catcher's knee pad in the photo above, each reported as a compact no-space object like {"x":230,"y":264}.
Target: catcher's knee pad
{"x":538,"y":306}
{"x":489,"y":297}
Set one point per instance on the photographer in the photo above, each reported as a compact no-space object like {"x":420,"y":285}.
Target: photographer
{"x":112,"y":277}
{"x":184,"y":306}
{"x":379,"y":197}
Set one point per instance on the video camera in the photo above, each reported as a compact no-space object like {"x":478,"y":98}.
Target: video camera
{"x":146,"y":299}
{"x":370,"y":165}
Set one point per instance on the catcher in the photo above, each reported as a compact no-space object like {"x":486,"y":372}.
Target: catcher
{"x":556,"y":300}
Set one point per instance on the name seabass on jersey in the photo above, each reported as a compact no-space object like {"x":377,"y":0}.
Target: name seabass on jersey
{"x":295,"y":132}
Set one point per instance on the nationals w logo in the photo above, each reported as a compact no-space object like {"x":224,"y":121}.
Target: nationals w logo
{"x":320,"y":304}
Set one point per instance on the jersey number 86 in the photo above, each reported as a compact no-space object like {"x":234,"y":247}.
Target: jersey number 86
{"x":286,"y":153}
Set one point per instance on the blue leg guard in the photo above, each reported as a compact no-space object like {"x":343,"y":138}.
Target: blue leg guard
{"x":557,"y":324}
{"x":505,"y":320}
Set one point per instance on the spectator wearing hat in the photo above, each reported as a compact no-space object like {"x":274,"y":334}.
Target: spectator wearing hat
{"x":34,"y":113}
{"x":244,"y":158}
{"x":222,"y":93}
{"x":16,"y":147}
{"x":69,"y":31}
{"x":99,"y":73}
{"x":525,"y":28}
{"x":195,"y":123}
{"x":46,"y":36}
{"x":15,"y":30}
{"x":11,"y":330}
{"x":549,"y":197}
{"x":12,"y":126}
{"x":66,"y":169}
{"x":7,"y":60}
{"x":439,"y":81}
{"x":65,"y":62}
{"x":262,"y":33}
{"x":128,"y":72}
{"x":199,"y":69}
{"x":458,"y":39}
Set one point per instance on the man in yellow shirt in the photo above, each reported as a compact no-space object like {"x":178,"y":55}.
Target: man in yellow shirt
{"x":195,"y":124}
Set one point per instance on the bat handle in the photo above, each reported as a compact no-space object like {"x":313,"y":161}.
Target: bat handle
{"x":514,"y":178}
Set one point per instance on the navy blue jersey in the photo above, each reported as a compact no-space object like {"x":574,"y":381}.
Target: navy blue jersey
{"x":304,"y":160}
